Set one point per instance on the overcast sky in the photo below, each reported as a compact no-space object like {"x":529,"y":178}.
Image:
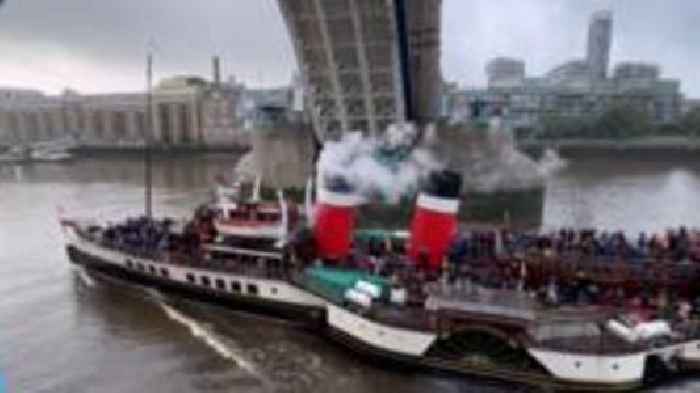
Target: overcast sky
{"x":99,"y":45}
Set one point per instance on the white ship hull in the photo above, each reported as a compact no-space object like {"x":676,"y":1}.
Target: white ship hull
{"x":588,"y":371}
{"x":267,"y":290}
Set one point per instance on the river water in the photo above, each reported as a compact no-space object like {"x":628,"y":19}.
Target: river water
{"x":62,"y":330}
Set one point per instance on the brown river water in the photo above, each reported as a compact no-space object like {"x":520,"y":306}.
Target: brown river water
{"x":62,"y":330}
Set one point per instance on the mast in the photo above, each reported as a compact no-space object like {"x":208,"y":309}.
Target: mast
{"x":149,"y":132}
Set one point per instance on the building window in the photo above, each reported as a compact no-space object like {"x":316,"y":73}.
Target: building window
{"x":119,"y":127}
{"x":48,"y":123}
{"x":185,"y":123}
{"x":220,"y":284}
{"x":252,"y":289}
{"x":190,"y":277}
{"x":140,"y":267}
{"x":140,"y":118}
{"x":163,"y":111}
{"x":151,"y":269}
{"x":205,"y":281}
{"x":164,"y":272}
{"x":235,"y":287}
{"x":98,"y":124}
{"x":80,"y":120}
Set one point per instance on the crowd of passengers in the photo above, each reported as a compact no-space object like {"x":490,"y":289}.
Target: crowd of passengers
{"x":158,"y":238}
{"x":489,"y":258}
{"x":556,"y":267}
{"x":149,"y":236}
{"x":557,"y":249}
{"x":675,"y":245}
{"x":138,"y":234}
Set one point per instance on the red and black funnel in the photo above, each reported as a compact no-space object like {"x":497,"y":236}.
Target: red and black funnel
{"x":335,"y":218}
{"x":434,"y":223}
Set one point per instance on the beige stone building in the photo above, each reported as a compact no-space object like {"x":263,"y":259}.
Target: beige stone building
{"x":187,"y":111}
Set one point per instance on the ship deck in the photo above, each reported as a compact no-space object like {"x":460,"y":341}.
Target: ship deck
{"x":446,"y":308}
{"x":578,"y":329}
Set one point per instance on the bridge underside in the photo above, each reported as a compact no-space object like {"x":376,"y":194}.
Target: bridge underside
{"x":366,"y":63}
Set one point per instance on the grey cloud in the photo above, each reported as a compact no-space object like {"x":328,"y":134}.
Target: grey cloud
{"x":113,"y":35}
{"x":99,"y":45}
{"x":547,"y":32}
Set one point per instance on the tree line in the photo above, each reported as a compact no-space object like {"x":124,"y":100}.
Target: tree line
{"x":617,"y":123}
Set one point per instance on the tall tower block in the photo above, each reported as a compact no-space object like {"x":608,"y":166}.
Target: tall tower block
{"x":599,"y":40}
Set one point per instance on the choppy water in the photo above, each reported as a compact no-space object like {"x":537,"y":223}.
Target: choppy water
{"x":64,"y":330}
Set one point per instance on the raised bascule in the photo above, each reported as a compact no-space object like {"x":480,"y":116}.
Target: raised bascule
{"x":366,"y":63}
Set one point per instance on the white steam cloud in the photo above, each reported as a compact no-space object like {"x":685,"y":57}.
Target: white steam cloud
{"x":386,"y":168}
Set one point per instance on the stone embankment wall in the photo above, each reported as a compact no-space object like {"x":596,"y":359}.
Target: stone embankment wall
{"x":486,"y":158}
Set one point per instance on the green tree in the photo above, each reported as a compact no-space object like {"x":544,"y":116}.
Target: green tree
{"x":670,"y":129}
{"x":690,"y":123}
{"x":561,"y":127}
{"x":622,"y":122}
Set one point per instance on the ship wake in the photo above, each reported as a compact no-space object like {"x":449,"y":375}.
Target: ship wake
{"x":210,"y":339}
{"x":85,"y":277}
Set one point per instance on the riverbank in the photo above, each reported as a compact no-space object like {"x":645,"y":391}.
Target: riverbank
{"x":96,"y":151}
{"x":621,"y":144}
{"x":634,"y":146}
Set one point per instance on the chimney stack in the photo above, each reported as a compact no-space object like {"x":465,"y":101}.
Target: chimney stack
{"x":216,"y":71}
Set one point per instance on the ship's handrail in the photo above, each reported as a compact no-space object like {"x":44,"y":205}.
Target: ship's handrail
{"x":242,"y":251}
{"x":215,"y":265}
{"x":248,"y":223}
{"x":476,"y":307}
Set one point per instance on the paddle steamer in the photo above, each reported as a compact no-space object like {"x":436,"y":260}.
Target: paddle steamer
{"x":275,"y":256}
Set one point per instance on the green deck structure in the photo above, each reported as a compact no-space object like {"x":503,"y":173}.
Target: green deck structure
{"x":332,"y":283}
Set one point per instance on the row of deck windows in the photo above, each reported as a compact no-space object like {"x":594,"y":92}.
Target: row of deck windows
{"x":151,"y":269}
{"x":220,"y":284}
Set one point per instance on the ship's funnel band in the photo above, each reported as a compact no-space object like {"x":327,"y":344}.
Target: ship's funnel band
{"x":339,"y":199}
{"x":438,"y":204}
{"x":334,"y":223}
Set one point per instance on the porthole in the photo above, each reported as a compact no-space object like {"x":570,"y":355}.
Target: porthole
{"x":577,"y":364}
